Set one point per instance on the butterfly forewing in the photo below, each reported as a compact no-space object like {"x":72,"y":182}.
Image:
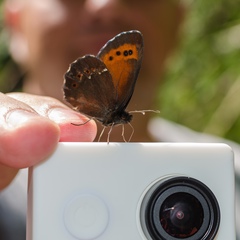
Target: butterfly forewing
{"x":123,"y":56}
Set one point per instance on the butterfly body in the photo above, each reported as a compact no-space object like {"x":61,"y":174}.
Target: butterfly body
{"x":101,"y":86}
{"x":114,"y":117}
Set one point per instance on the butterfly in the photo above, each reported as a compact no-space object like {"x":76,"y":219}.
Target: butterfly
{"x":101,"y":86}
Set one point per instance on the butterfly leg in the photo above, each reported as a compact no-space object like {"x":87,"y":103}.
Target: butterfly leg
{"x":124,"y":139}
{"x":79,"y":124}
{"x":108,"y":137}
{"x":101,"y":134}
{"x":132,"y":131}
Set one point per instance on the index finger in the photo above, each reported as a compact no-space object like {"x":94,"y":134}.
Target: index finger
{"x":62,"y":115}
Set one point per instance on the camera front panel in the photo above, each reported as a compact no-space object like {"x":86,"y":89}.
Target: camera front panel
{"x":133,"y":191}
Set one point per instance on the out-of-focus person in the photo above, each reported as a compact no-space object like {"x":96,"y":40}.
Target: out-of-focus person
{"x":44,"y":38}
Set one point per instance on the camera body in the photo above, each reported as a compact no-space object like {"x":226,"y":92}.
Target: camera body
{"x":135,"y":191}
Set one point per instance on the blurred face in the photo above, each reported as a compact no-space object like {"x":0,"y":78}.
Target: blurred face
{"x":56,"y":32}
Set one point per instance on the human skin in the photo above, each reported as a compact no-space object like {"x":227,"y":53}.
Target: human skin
{"x":31,"y":126}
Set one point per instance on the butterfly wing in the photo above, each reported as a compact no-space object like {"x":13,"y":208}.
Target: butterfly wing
{"x":88,"y":87}
{"x":123,"y":57}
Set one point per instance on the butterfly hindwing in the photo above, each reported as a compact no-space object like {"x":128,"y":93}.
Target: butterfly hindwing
{"x":88,"y":87}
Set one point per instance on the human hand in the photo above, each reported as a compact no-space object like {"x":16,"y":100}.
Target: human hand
{"x":30,"y":128}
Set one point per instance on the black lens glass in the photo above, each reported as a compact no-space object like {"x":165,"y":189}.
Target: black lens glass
{"x":181,"y":215}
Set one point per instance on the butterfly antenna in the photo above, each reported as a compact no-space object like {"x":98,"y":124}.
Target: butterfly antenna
{"x":143,"y":112}
{"x":80,"y":124}
{"x":132,"y":131}
{"x":101,"y":134}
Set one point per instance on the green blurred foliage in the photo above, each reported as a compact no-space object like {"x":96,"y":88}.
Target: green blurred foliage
{"x":201,"y":88}
{"x":9,"y":71}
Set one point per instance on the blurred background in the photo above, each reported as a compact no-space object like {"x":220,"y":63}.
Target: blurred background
{"x":202,"y":84}
{"x":201,"y":89}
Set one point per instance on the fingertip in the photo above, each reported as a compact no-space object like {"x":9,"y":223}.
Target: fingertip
{"x":29,"y":143}
{"x":74,"y":126}
{"x":82,"y":133}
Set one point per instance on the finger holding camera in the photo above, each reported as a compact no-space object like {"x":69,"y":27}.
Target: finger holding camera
{"x":30,"y":128}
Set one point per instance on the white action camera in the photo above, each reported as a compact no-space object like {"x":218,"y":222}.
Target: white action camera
{"x":133,"y":191}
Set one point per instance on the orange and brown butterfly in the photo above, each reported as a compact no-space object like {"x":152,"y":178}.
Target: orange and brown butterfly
{"x":101,"y":86}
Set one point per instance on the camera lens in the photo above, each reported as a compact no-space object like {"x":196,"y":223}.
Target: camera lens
{"x":181,"y":215}
{"x":179,"y":208}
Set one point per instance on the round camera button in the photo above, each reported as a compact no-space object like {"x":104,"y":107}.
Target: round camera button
{"x":86,"y":217}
